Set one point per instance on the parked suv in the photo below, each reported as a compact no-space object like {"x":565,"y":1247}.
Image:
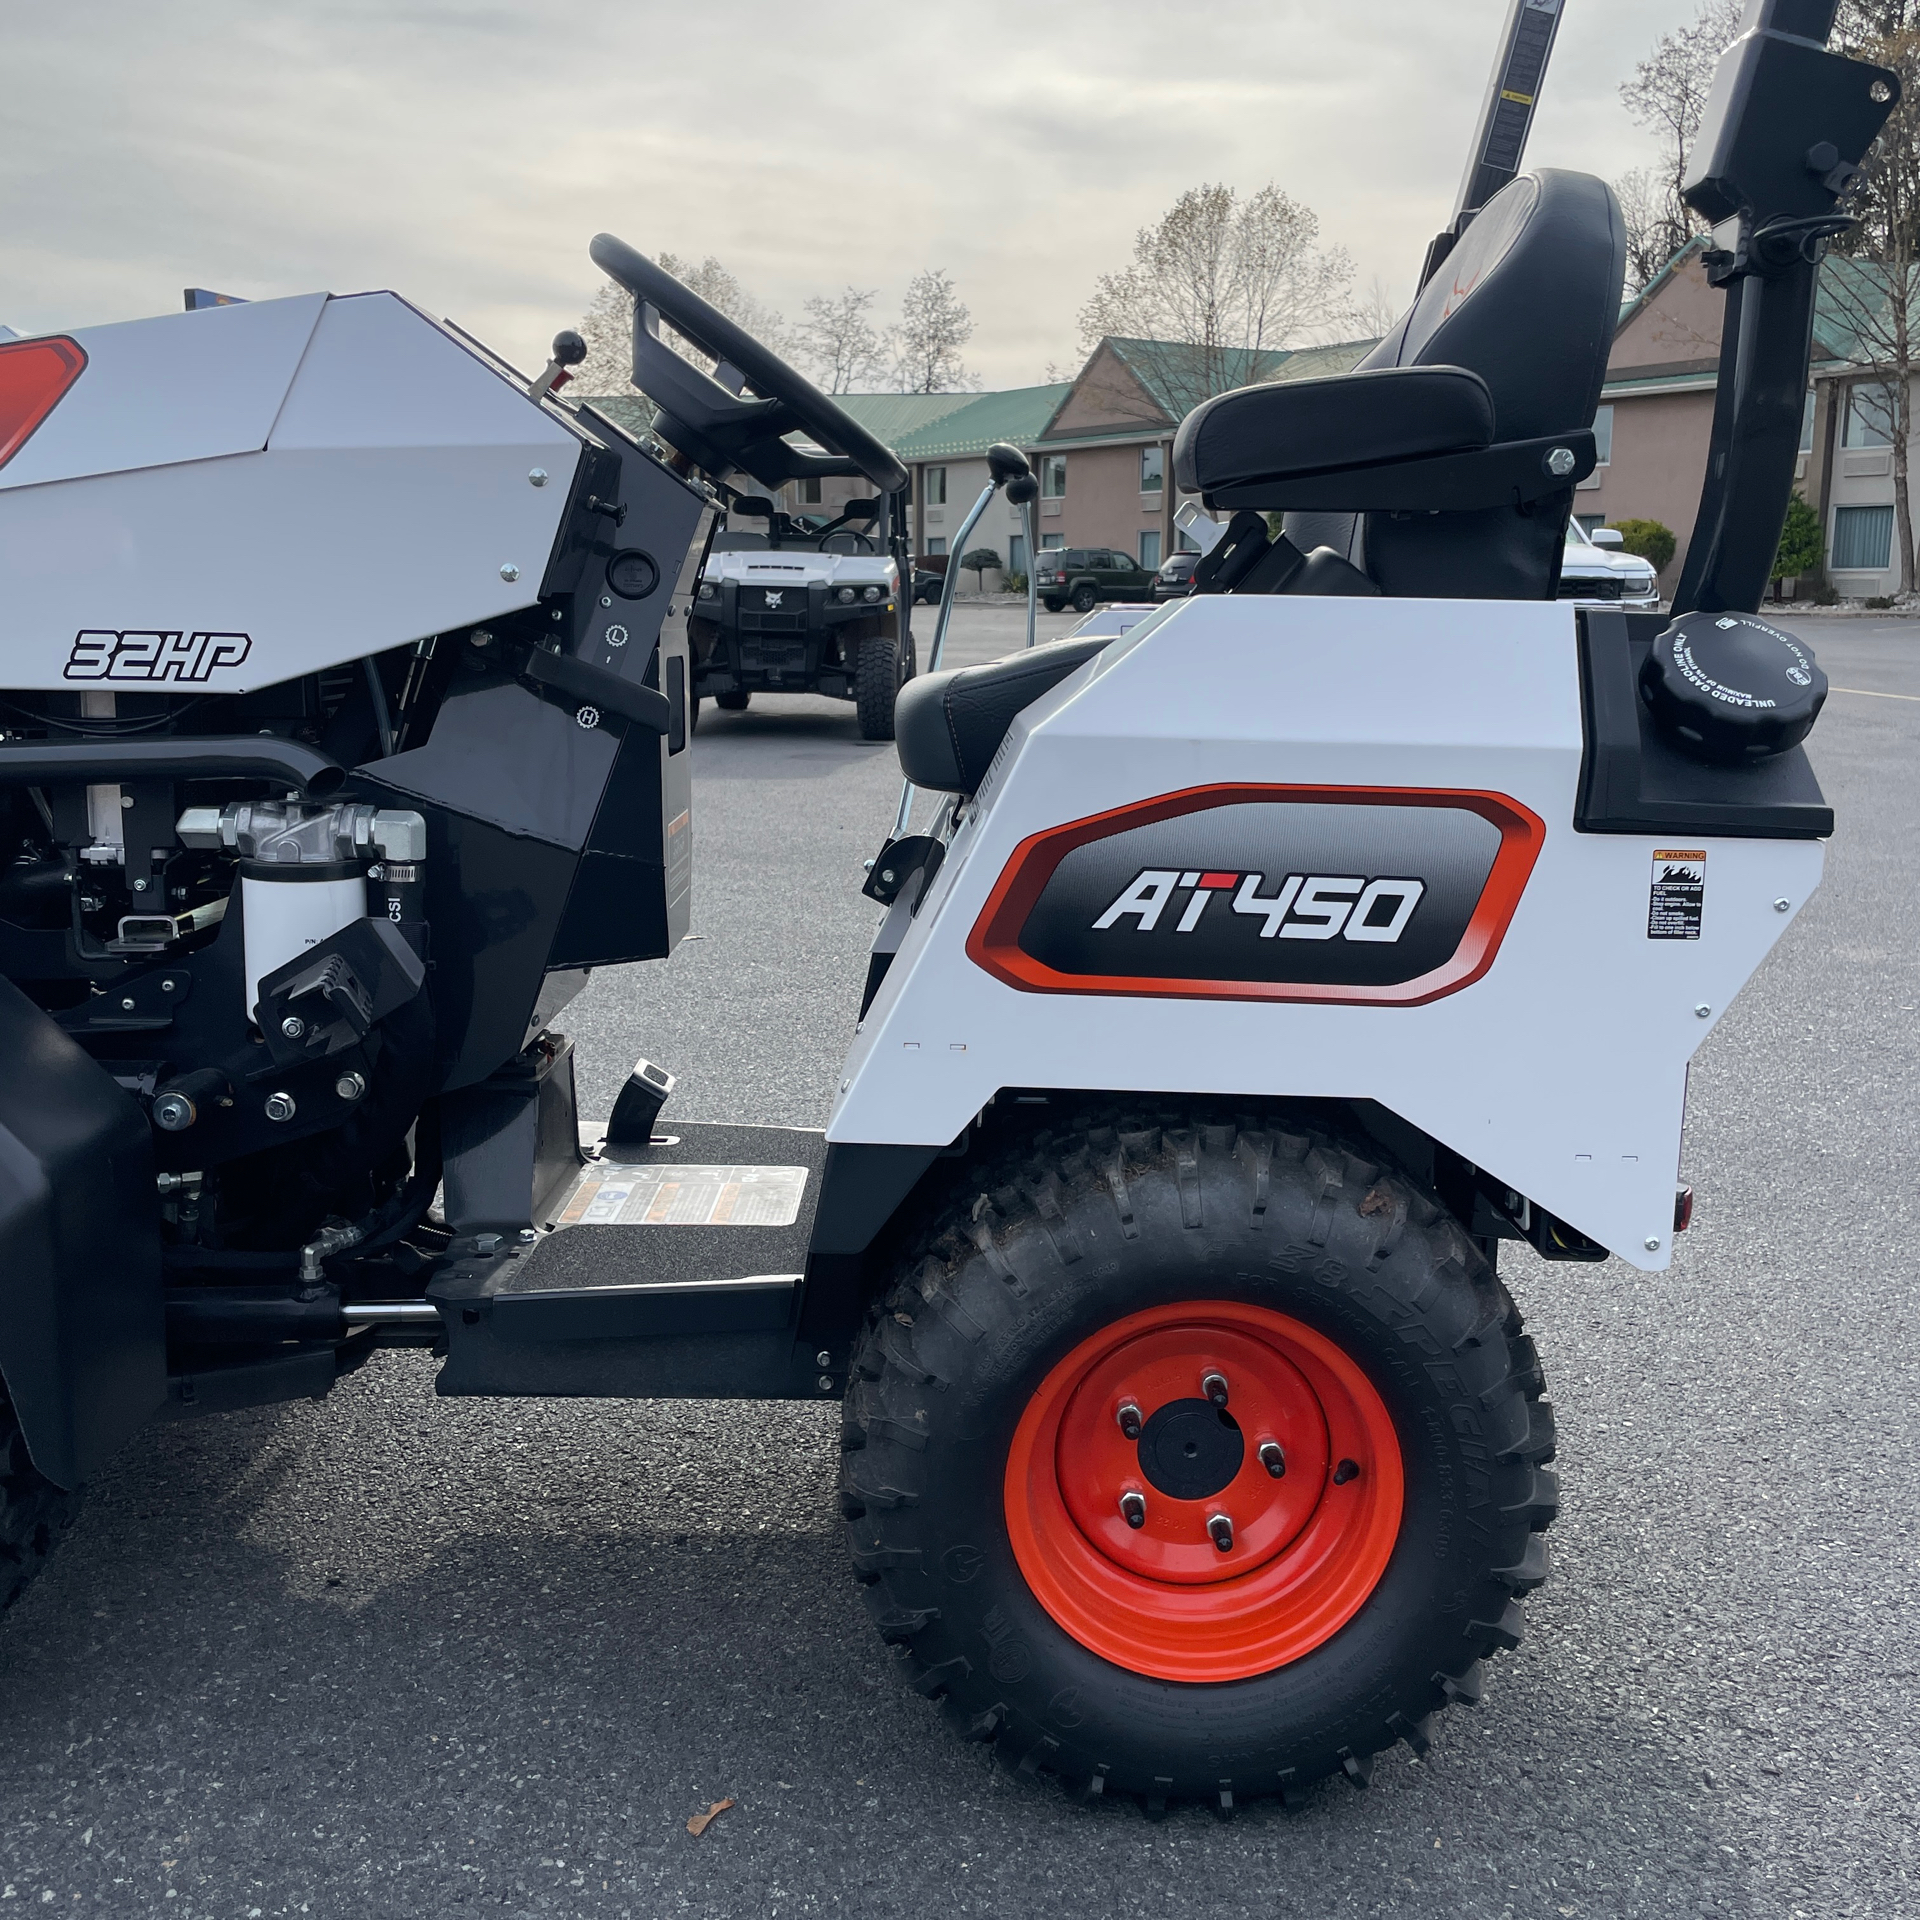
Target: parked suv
{"x":1174,"y":581}
{"x":1595,"y":573}
{"x":1081,"y":577}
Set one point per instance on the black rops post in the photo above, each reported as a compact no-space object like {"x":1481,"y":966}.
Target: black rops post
{"x":1506,"y":117}
{"x":1786,"y":127}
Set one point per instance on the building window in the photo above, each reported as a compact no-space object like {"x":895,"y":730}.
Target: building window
{"x":1806,"y":424}
{"x":1052,"y":542}
{"x":1603,"y":435}
{"x":1591,"y":521}
{"x":1153,"y":469}
{"x":1869,"y":416}
{"x":1150,"y":550}
{"x":1053,"y":476}
{"x":1017,"y":553}
{"x":1184,"y":542}
{"x":937,"y":544}
{"x":809,"y":493}
{"x":1862,"y":539}
{"x":936,"y":495}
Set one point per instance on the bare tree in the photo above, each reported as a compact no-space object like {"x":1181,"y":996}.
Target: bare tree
{"x":1215,"y":281}
{"x":1375,"y":313}
{"x":607,"y":326}
{"x":840,"y":343}
{"x":1667,"y":95}
{"x":934,"y":325}
{"x":1872,"y":279}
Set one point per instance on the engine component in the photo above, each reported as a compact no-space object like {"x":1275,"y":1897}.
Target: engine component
{"x":329,"y":996}
{"x":178,"y":1104}
{"x":303,"y":871}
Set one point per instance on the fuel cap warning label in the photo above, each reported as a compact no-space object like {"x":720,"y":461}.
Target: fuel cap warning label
{"x":1678,"y":894}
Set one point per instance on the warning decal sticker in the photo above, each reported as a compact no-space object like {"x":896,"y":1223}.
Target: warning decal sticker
{"x":1678,"y":894}
{"x":610,"y":1194}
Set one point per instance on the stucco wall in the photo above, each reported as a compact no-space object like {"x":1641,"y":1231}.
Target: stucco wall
{"x":1104,"y":506}
{"x":1659,"y":461}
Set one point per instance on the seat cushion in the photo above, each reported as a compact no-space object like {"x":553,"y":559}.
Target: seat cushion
{"x":1294,"y":429}
{"x":948,"y":726}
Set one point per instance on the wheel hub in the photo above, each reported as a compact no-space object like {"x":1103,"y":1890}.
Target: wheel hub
{"x":1203,"y":1491}
{"x":1190,"y":1449}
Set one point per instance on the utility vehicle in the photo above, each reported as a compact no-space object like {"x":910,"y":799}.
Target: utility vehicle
{"x":1257,"y":975}
{"x":792,"y":605}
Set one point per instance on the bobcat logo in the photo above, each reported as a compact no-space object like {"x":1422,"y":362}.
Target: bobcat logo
{"x":773,"y":595}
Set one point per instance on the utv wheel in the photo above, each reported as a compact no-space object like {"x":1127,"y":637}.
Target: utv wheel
{"x":735,"y":702}
{"x":1196,"y":1460}
{"x":876,"y":681}
{"x":33,"y":1511}
{"x":1084,"y":599}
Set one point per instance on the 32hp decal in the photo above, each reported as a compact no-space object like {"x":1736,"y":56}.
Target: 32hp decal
{"x":153,"y":656}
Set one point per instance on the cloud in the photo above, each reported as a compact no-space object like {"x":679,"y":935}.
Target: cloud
{"x":464,"y":154}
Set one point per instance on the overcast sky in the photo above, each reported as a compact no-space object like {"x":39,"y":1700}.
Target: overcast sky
{"x":464,"y":153}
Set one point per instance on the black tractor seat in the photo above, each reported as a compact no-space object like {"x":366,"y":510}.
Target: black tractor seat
{"x":948,"y":726}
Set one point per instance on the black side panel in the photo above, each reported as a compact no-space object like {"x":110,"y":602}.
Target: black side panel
{"x":510,"y":1142}
{"x":82,"y":1323}
{"x":1633,"y":781}
{"x":861,"y":1191}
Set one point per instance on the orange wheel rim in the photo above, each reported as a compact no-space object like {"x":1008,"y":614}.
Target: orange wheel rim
{"x":1204,"y":1491}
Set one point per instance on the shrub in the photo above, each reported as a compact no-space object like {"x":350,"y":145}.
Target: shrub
{"x":1649,"y":539}
{"x":1801,"y":547}
{"x":1826,"y":595}
{"x":977,"y":562}
{"x":1879,"y":602}
{"x":1016,"y":583}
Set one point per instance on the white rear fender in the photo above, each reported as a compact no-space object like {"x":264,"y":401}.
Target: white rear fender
{"x":1375,"y":752}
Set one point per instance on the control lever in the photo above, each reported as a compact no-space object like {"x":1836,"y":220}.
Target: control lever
{"x":568,"y":351}
{"x":1006,"y":467}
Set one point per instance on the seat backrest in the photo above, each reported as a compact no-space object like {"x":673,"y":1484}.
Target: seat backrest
{"x":1528,"y":299}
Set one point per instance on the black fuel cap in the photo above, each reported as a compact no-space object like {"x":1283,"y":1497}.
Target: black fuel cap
{"x":1730,"y":688}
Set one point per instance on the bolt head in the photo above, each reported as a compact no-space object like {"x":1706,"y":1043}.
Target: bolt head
{"x":1653,"y":1243}
{"x":350,"y":1085}
{"x":826,"y":1383}
{"x":139,"y":886}
{"x":606,"y":599}
{"x":527,"y":1236}
{"x":166,"y":986}
{"x":126,"y":1006}
{"x":293,"y":1026}
{"x":823,"y":1358}
{"x":1702,"y":1011}
{"x":1560,"y":462}
{"x":280,"y":1106}
{"x":173,"y":1113}
{"x":509,"y":571}
{"x":538,"y":477}
{"x":1780,"y":906}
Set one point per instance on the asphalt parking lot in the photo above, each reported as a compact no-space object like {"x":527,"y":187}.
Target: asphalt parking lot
{"x":389,"y":1655}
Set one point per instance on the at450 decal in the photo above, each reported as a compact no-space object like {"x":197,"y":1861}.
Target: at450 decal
{"x":1381,"y":896}
{"x":153,"y":656}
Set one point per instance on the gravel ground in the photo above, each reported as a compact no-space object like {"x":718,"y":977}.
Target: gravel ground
{"x":389,"y":1655}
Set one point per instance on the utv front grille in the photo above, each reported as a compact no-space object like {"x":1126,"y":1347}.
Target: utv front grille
{"x":773,"y":656}
{"x":752,"y":622}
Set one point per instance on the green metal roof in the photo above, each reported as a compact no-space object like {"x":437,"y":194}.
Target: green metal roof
{"x":1016,"y":416}
{"x":894,"y":418}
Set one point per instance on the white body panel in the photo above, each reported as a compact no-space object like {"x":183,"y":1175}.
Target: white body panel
{"x":385,"y":494}
{"x":1561,"y":1071}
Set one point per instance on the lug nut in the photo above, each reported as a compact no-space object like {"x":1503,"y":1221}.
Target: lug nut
{"x":293,"y":1026}
{"x":1344,"y":1472}
{"x":1214,"y":1386}
{"x":1220,"y":1531}
{"x":1133,"y":1510}
{"x":1273,"y":1459}
{"x":1129,"y":1418}
{"x":350,"y":1085}
{"x":280,"y":1106}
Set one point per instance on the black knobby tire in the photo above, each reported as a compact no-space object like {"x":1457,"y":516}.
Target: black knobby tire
{"x":33,"y":1511}
{"x":1084,"y":599}
{"x":1068,"y":1233}
{"x":876,"y":682}
{"x":735,"y":702}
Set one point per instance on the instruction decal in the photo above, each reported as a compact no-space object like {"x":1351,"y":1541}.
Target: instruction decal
{"x":1678,"y":894}
{"x":610,"y":1194}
